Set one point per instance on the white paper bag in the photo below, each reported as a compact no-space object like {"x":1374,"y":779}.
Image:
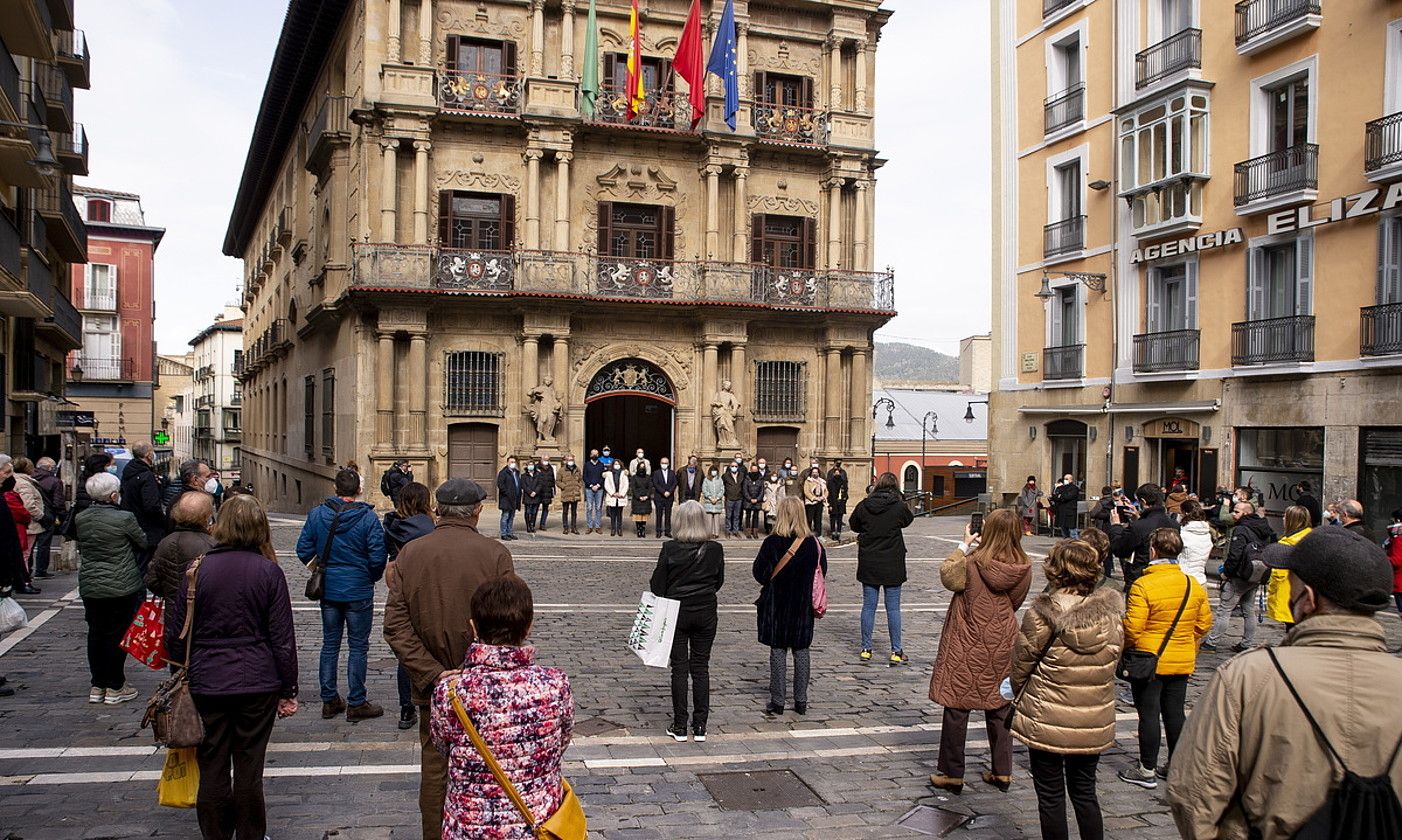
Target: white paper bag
{"x":653,"y":630}
{"x":12,"y":616}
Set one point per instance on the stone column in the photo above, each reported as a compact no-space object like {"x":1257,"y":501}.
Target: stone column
{"x":859,"y":228}
{"x":384,"y":391}
{"x":389,"y":186}
{"x":709,"y":369}
{"x":567,"y":43}
{"x":417,"y":376}
{"x":562,"y":200}
{"x":425,"y":33}
{"x":533,"y":201}
{"x":742,"y":61}
{"x":859,"y":101}
{"x":712,"y":210}
{"x":530,"y":362}
{"x":834,"y":72}
{"x":835,"y":223}
{"x":560,"y":369}
{"x":421,"y":210}
{"x":393,"y":54}
{"x":860,"y":406}
{"x":537,"y":37}
{"x":832,"y":404}
{"x":740,"y":385}
{"x":742,"y":215}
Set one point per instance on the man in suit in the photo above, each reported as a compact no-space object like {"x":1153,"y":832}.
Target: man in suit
{"x":508,"y":497}
{"x":664,"y":485}
{"x":691,"y":478}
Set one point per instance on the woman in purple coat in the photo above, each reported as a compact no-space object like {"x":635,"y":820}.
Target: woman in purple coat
{"x":243,"y":665}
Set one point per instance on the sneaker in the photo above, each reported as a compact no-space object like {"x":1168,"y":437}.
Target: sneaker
{"x":898,"y":658}
{"x":698,"y":734}
{"x":1208,"y":646}
{"x":678,"y":733}
{"x":125,"y":694}
{"x":408,"y":717}
{"x":1141,"y":776}
{"x":364,"y":711}
{"x":1241,"y":647}
{"x":96,"y":694}
{"x":332,"y":708}
{"x":866,"y":655}
{"x":1162,"y":772}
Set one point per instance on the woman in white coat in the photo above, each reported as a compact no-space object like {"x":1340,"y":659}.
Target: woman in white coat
{"x":615,"y":496}
{"x":1197,"y":541}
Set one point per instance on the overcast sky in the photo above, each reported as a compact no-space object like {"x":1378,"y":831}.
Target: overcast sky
{"x":176,"y":86}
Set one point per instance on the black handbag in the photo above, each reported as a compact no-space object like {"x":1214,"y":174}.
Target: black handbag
{"x":1142,"y":665}
{"x":316,"y":583}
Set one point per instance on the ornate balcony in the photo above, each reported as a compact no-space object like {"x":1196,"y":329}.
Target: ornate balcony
{"x":662,"y":110}
{"x":1289,"y":174}
{"x":1174,"y":54}
{"x":785,"y":286}
{"x":1261,"y":24}
{"x":487,"y":94}
{"x":1063,"y":109}
{"x":476,"y":270}
{"x":1172,"y":350}
{"x":1065,"y":362}
{"x":74,"y":58}
{"x":640,"y":278}
{"x":1273,"y":341}
{"x":1064,"y":237}
{"x":1381,"y":330}
{"x":777,"y":123}
{"x":1382,"y":147}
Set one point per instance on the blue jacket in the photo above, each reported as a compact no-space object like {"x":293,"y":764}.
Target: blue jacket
{"x":594,"y":474}
{"x":357,"y":554}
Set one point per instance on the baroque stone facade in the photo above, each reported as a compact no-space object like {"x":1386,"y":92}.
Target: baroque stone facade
{"x":449,"y":258}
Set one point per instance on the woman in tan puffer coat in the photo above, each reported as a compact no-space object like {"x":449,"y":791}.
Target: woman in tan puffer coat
{"x":1063,"y":678}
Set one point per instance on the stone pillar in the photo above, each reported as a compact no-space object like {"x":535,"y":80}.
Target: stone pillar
{"x":859,"y":101}
{"x":712,"y":211}
{"x":740,"y":385}
{"x":832,"y":404}
{"x":562,"y":200}
{"x":859,"y":228}
{"x":835,"y":223}
{"x":859,"y":409}
{"x":705,"y":431}
{"x":742,"y":62}
{"x":533,"y":201}
{"x":834,"y":73}
{"x":530,"y":362}
{"x":742,"y":216}
{"x":417,"y":376}
{"x":384,"y":391}
{"x":559,"y":370}
{"x":537,"y":37}
{"x":425,"y":33}
{"x":421,"y":210}
{"x":567,"y":45}
{"x":389,"y":186}
{"x":393,"y":54}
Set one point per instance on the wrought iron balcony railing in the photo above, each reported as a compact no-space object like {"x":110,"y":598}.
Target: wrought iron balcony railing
{"x":479,"y":270}
{"x":1273,"y":340}
{"x":1258,"y":17}
{"x":1065,"y":362}
{"x":1064,"y":237}
{"x":1063,"y":109}
{"x":780,"y":123}
{"x":72,"y":150}
{"x":1382,"y":144}
{"x":1278,"y":173}
{"x":59,"y":90}
{"x":1171,"y":350}
{"x":1051,"y":7}
{"x":74,"y":57}
{"x":470,"y":92}
{"x":664,"y":110}
{"x":1381,"y":330}
{"x":65,"y":226}
{"x":102,"y":369}
{"x":1182,"y":51}
{"x":639,"y":277}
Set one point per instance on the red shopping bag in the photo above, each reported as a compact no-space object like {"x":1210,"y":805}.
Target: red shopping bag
{"x":145,"y":638}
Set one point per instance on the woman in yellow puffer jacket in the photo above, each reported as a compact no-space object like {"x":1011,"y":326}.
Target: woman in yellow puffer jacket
{"x":1297,"y":527}
{"x":1153,"y":601}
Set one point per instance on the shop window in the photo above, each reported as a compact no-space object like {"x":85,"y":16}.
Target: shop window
{"x":472,"y":382}
{"x":1273,"y":460}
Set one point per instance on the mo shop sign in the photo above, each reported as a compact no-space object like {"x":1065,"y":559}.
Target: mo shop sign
{"x":1366,"y":203}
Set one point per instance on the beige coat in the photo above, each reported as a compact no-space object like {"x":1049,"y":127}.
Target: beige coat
{"x":1247,"y":735}
{"x":33,"y":499}
{"x":1068,"y":702}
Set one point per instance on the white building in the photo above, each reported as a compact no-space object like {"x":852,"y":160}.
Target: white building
{"x":218,"y":398}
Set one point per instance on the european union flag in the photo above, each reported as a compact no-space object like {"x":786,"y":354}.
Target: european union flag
{"x":725,"y":62}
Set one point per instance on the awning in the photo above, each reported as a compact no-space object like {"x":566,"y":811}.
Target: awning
{"x":1062,"y":409}
{"x":1125,"y":408}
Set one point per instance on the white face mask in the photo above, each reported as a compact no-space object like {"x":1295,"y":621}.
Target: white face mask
{"x":211,"y":486}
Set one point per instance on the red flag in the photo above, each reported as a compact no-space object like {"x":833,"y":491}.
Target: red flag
{"x":690,"y":65}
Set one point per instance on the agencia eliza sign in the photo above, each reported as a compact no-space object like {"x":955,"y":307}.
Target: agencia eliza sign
{"x":1193,"y":244}
{"x":1367,"y":203}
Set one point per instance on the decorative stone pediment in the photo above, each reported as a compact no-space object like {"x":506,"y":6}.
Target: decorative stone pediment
{"x":665,"y":46}
{"x":637,"y":180}
{"x":785,"y":205}
{"x":462,"y":179}
{"x":781,"y":58}
{"x":594,"y":358}
{"x":481,"y":21}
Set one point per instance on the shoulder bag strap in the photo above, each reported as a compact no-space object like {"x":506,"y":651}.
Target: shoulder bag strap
{"x":1187,"y":591}
{"x":486,"y":753}
{"x":1299,"y":701}
{"x":788,"y":555}
{"x":187,"y":630}
{"x":325,"y":555}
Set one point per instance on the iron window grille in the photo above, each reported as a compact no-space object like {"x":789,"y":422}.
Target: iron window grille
{"x":472,"y":383}
{"x":779,"y":390}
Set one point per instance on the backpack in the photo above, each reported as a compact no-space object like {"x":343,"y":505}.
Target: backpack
{"x":1361,"y":806}
{"x":1252,"y":567}
{"x":384,"y":484}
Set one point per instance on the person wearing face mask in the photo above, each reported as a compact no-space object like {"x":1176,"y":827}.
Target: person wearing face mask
{"x":615,"y":496}
{"x":508,"y":497}
{"x":607,"y":457}
{"x":532,"y":490}
{"x":664,"y":486}
{"x":792,"y":479}
{"x":734,"y":498}
{"x":689,"y":481}
{"x":837,"y":499}
{"x":713,"y":500}
{"x":815,"y":498}
{"x":774,"y":493}
{"x":568,"y":486}
{"x":548,"y":478}
{"x":640,"y":497}
{"x":640,"y":459}
{"x":752,"y":491}
{"x":594,"y":470}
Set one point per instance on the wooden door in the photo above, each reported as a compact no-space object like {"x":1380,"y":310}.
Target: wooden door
{"x":776,"y":443}
{"x":472,"y":454}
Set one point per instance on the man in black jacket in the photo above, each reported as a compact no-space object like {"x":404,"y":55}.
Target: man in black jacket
{"x":1066,"y":500}
{"x":508,"y":497}
{"x":1250,"y":536}
{"x":547,"y":488}
{"x":394,"y":479}
{"x":1305,"y":498}
{"x":664,"y":485}
{"x":837,"y":499}
{"x":141,"y":494}
{"x":690,"y":479}
{"x":1132,"y":540}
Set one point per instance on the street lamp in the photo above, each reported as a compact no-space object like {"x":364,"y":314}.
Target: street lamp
{"x":969,"y":409}
{"x":1093,"y":281}
{"x":890,"y":406}
{"x":929,"y":423}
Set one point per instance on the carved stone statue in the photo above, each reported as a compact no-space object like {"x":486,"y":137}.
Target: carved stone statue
{"x":544,"y":409}
{"x":725,"y":410}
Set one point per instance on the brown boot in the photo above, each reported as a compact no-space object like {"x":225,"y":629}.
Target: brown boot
{"x":949,"y":783}
{"x":364,"y":711}
{"x":331,"y":708}
{"x":1000,"y":782}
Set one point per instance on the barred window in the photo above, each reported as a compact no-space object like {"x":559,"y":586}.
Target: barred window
{"x":472,"y":383}
{"x":779,"y":390}
{"x":328,"y":413}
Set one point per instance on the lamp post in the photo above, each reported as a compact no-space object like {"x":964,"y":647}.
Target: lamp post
{"x":890,"y":406}
{"x":969,"y":409}
{"x":930,"y":423}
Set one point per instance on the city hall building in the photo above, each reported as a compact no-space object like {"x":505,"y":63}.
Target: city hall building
{"x":1198,"y":245}
{"x":450,"y":258}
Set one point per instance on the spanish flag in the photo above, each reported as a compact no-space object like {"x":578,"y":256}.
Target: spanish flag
{"x":637,"y":93}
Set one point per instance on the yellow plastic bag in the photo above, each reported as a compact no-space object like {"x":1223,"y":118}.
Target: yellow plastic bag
{"x":180,"y":779}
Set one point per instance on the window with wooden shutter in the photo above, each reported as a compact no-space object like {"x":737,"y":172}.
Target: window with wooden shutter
{"x":1390,"y":260}
{"x":476,"y":221}
{"x":481,"y":56}
{"x":639,"y":231}
{"x":328,"y":412}
{"x":605,"y":228}
{"x":666,"y":233}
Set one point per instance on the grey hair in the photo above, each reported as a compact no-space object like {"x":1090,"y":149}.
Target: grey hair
{"x":102,"y":486}
{"x":458,"y":511}
{"x":5,"y":460}
{"x":46,"y":462}
{"x":142,"y":449}
{"x":1350,"y":508}
{"x":690,"y":524}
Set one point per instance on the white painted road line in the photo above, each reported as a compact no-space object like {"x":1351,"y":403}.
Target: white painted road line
{"x":36,"y":622}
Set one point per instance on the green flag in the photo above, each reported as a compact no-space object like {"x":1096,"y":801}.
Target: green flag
{"x":589,"y":86}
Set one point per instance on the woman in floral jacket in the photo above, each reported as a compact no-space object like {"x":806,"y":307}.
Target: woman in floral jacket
{"x":524,"y":712}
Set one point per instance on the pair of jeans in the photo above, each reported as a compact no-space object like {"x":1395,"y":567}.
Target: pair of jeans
{"x":236,"y":732}
{"x":406,"y":689}
{"x":1235,"y":593}
{"x":732,"y":518}
{"x":778,"y":662}
{"x":43,"y":550}
{"x":1055,"y":775}
{"x":615,"y":520}
{"x":544,"y":514}
{"x":108,"y":620}
{"x":594,"y":508}
{"x":356,"y":618}
{"x":954,"y":730}
{"x":691,"y":661}
{"x":569,"y":516}
{"x":1163,"y":696}
{"x":508,"y":519}
{"x":531,"y":511}
{"x":662,"y":523}
{"x":893,"y":614}
{"x":815,"y":518}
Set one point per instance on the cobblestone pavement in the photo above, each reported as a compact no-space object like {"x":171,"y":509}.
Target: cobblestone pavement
{"x":865,"y":749}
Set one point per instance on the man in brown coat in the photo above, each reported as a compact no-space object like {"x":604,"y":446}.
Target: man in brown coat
{"x":426,"y":619}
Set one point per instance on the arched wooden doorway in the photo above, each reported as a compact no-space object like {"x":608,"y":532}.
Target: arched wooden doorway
{"x":630,"y":404}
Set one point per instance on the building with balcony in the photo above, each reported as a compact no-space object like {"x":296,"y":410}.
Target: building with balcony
{"x":1203,"y":270}
{"x":114,"y":373}
{"x":42,"y":59}
{"x":449,"y":259}
{"x":216,"y":394}
{"x":174,"y":405}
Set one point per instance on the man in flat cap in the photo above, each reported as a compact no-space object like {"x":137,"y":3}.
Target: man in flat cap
{"x":1269,"y":740}
{"x":426,"y":619}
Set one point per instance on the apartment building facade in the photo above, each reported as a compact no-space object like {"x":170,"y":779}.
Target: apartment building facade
{"x":217,"y":394}
{"x":1198,"y":247}
{"x":175,"y":408}
{"x":448,"y":259}
{"x":43,"y":58}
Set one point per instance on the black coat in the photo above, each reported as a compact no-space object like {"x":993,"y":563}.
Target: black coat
{"x":752,"y":491}
{"x":1065,"y":500}
{"x":685,"y":575}
{"x":141,"y":494}
{"x":732,"y":484}
{"x":533,"y":482}
{"x":508,"y":489}
{"x":662,"y":484}
{"x":1133,"y":539}
{"x":1311,"y":504}
{"x":878,"y":520}
{"x":1248,"y":530}
{"x":1100,"y":513}
{"x":837,"y":489}
{"x":785,"y":606}
{"x":393,"y":481}
{"x":547,"y":482}
{"x":640,"y":491}
{"x":401,"y":529}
